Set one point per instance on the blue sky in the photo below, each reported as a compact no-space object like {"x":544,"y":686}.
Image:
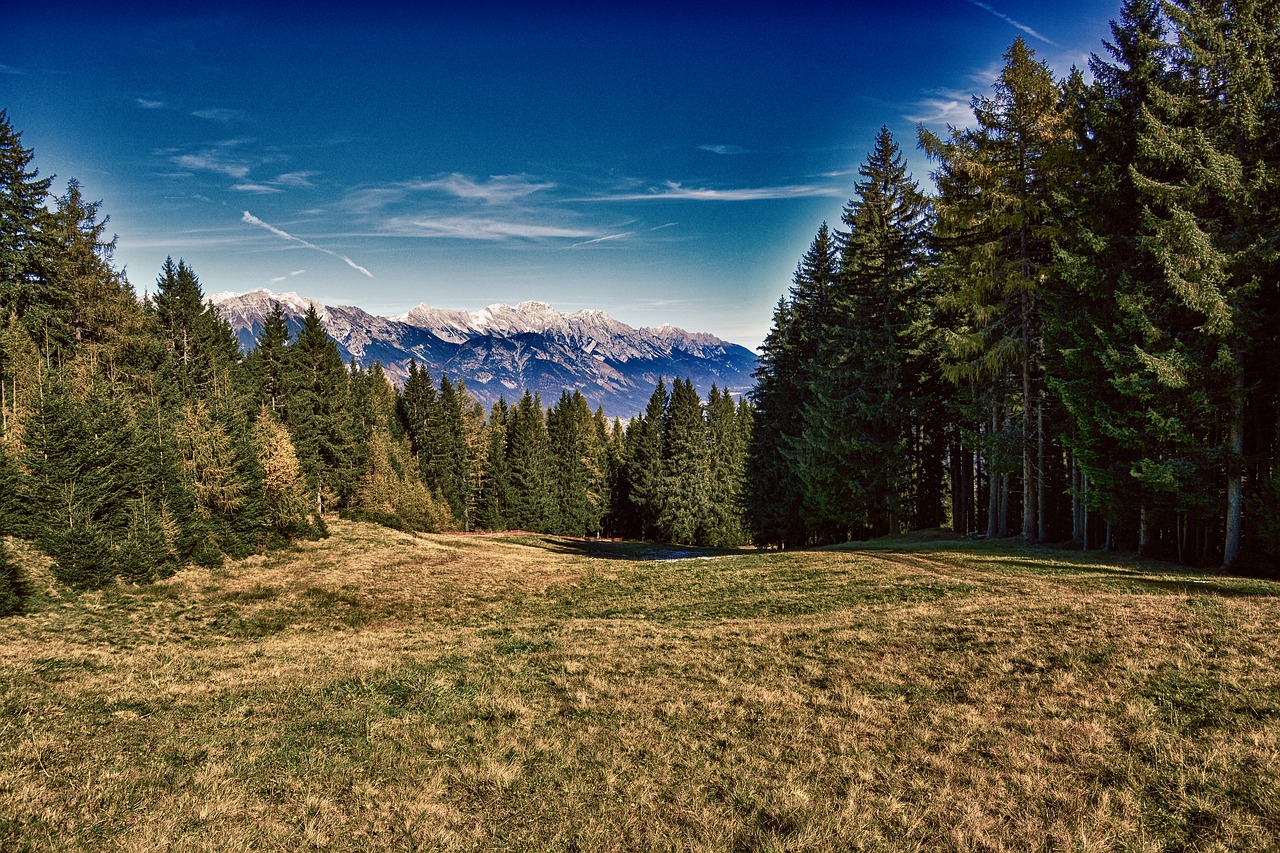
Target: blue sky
{"x":663,"y":165}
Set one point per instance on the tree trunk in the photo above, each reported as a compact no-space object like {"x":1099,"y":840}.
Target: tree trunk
{"x":993,"y":495}
{"x":1042,"y":529}
{"x":1235,"y":471}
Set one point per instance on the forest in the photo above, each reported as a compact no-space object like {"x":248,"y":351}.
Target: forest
{"x":1076,"y":337}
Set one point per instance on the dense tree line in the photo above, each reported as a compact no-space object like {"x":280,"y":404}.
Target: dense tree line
{"x":1076,"y":337}
{"x":136,"y":437}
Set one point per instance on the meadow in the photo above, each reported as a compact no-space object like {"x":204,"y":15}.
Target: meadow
{"x":386,"y":691}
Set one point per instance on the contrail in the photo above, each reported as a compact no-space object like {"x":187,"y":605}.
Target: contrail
{"x":1002,"y":16}
{"x":253,"y":220}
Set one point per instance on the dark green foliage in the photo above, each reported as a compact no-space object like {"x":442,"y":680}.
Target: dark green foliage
{"x":96,"y":505}
{"x":531,"y":504}
{"x":318,"y":413}
{"x":644,"y":454}
{"x":579,"y":467}
{"x":39,"y":304}
{"x":861,"y":436}
{"x":686,"y":468}
{"x":13,"y":587}
{"x":495,"y":496}
{"x":267,"y":365}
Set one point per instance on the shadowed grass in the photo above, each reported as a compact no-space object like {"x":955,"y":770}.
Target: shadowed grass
{"x":382,"y":691}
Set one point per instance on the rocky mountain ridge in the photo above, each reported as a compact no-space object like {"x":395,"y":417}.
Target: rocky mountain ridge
{"x":501,"y":350}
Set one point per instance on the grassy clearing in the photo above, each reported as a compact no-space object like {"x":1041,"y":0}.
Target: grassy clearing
{"x":381,"y":691}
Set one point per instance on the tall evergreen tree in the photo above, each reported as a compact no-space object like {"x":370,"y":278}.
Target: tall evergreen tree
{"x":867,"y":406}
{"x":686,"y":468}
{"x":996,"y":183}
{"x":39,"y":304}
{"x":317,"y":413}
{"x":531,"y":506}
{"x":495,"y":500}
{"x":644,"y":453}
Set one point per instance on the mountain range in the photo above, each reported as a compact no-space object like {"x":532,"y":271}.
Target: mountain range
{"x":501,"y":350}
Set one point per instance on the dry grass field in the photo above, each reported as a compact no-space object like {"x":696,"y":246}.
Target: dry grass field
{"x":381,"y":691}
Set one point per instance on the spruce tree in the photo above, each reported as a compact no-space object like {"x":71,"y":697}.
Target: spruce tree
{"x":531,"y":504}
{"x":686,"y":468}
{"x":317,"y":413}
{"x":867,"y":407}
{"x":643,"y":459}
{"x":39,"y":304}
{"x":495,"y":492}
{"x":995,"y":186}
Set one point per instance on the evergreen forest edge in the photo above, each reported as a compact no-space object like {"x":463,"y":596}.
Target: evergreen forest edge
{"x":1074,"y":339}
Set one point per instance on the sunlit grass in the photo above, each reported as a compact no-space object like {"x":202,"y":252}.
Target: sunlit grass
{"x":381,"y":691}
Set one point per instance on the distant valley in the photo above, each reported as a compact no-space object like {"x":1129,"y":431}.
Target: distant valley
{"x":501,"y":350}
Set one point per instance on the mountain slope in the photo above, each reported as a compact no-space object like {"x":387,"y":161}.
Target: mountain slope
{"x":501,"y":350}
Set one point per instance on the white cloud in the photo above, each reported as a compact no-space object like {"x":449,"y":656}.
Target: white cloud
{"x":211,"y":161}
{"x":260,"y":189}
{"x":497,"y":189}
{"x":479,"y":228}
{"x":253,"y":220}
{"x":953,"y":111}
{"x":300,"y":180}
{"x":144,"y":103}
{"x":225,"y":116}
{"x":675,"y":191}
{"x":1015,"y":24}
{"x":723,"y":149}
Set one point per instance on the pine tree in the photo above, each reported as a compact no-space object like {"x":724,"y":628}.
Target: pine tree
{"x":775,"y":495}
{"x":729,"y":431}
{"x":495,"y":499}
{"x":686,"y":468}
{"x":201,"y":348}
{"x":317,"y":413}
{"x":1103,"y":281}
{"x":1212,"y":165}
{"x":867,"y":407}
{"x":266,"y":365}
{"x":40,"y":305}
{"x":995,"y":186}
{"x":577,"y":466}
{"x":531,"y":506}
{"x":643,"y":463}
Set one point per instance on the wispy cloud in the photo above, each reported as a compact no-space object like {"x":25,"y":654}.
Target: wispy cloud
{"x":147,"y":104}
{"x":281,"y":278}
{"x":212,"y":161}
{"x":723,"y":149}
{"x":497,"y":189}
{"x":954,"y":111}
{"x":253,"y":220}
{"x":299,"y":180}
{"x":675,"y":191}
{"x":219,"y":114}
{"x":479,"y":228}
{"x":292,"y":180}
{"x":259,"y":189}
{"x":1015,"y":24}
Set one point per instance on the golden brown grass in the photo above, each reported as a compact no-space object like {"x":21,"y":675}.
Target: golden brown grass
{"x":381,"y":691}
